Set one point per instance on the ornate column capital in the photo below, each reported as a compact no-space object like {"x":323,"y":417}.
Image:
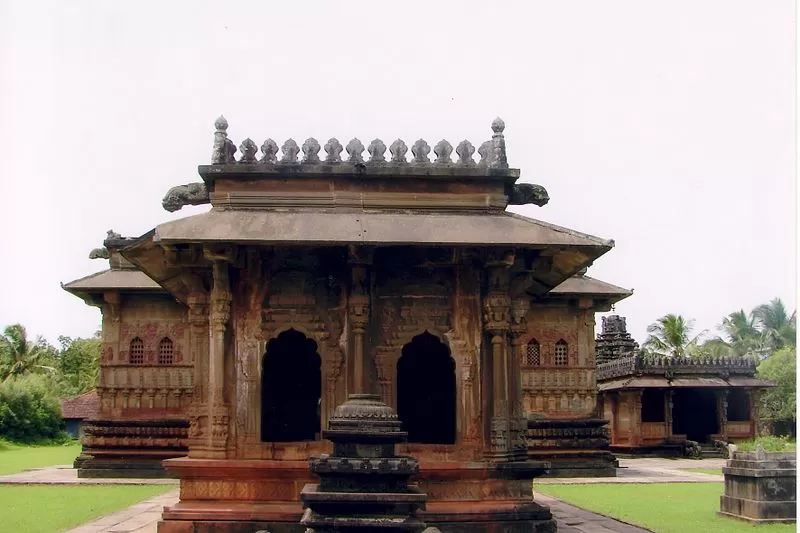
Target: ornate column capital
{"x":496,"y":313}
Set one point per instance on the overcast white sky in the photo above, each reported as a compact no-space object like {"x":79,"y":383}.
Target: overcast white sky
{"x":668,"y":126}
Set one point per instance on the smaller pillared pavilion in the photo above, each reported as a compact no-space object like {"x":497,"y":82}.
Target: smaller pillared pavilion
{"x":663,"y":402}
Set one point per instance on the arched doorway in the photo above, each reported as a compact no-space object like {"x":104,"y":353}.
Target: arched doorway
{"x":290,"y":389}
{"x":426,"y":391}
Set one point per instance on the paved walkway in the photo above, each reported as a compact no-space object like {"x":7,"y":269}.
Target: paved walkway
{"x":143,"y":517}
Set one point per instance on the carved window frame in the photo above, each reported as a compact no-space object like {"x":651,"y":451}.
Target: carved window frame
{"x":561,"y":353}
{"x":166,"y":351}
{"x":533,"y":354}
{"x":136,"y":352}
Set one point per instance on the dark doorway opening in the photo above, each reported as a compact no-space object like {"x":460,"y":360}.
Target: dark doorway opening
{"x":426,"y":391}
{"x":653,"y":405}
{"x":291,"y":386}
{"x":694,"y":414}
{"x":738,"y":406}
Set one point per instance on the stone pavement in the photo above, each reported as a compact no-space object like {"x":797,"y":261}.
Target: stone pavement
{"x":66,"y":475}
{"x":143,"y":517}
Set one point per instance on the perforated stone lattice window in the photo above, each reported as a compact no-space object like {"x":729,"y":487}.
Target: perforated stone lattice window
{"x":166,"y":352}
{"x":136,"y":353}
{"x":532,"y":354}
{"x":561,"y":353}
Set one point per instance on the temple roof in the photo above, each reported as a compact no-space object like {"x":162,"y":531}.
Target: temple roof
{"x":652,"y":382}
{"x":588,"y":285}
{"x":362,"y":227}
{"x":113,"y":279}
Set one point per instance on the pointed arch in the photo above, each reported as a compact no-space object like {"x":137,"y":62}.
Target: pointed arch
{"x":426,"y":391}
{"x":291,"y":389}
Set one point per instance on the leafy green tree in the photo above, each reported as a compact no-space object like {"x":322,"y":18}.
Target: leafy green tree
{"x":743,"y":333}
{"x":779,"y":403}
{"x":20,"y":356}
{"x":78,"y":364}
{"x":779,"y":328}
{"x":29,"y":410}
{"x":671,"y":335}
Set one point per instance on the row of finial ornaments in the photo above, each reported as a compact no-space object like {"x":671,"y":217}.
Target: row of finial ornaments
{"x":492,"y":153}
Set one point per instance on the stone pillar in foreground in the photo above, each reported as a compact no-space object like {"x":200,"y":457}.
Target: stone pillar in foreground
{"x":363,"y":485}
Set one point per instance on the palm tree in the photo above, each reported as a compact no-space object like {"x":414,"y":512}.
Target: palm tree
{"x":743,"y":332}
{"x":19,"y":356}
{"x":779,"y":328}
{"x":670,"y":336}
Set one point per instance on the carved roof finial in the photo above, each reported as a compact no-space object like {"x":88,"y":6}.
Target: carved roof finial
{"x":219,"y":155}
{"x":443,"y":150}
{"x":498,"y":151}
{"x":398,"y":149}
{"x":376,"y":150}
{"x":311,"y":150}
{"x":355,"y":148}
{"x":420,"y":150}
{"x":465,"y":151}
{"x":485,"y":152}
{"x":498,"y":125}
{"x":270,"y":151}
{"x":334,"y":149}
{"x":248,"y":149}
{"x":290,"y":151}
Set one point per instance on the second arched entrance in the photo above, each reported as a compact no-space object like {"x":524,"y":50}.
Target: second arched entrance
{"x":426,"y":391}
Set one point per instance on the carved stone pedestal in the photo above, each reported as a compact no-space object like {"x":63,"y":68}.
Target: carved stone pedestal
{"x":364,"y":485}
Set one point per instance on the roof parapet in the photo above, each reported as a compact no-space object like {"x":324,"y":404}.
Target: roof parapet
{"x":671,"y":366}
{"x":492,"y":153}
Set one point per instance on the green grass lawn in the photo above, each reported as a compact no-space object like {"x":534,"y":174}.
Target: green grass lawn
{"x":661,"y":507}
{"x":53,"y":508}
{"x":16,"y":458}
{"x":713,"y":471}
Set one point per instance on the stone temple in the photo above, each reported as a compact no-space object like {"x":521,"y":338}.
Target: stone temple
{"x":230,"y":337}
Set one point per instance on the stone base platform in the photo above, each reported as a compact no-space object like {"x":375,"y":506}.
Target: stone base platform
{"x":130,"y":448}
{"x":577,"y":463}
{"x":573,"y":447}
{"x":242,"y":496}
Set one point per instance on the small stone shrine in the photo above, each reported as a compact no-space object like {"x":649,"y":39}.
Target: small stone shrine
{"x":662,"y":403}
{"x":314,"y":277}
{"x":363,"y":485}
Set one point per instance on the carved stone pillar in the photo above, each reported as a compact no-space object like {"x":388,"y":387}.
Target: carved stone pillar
{"x":110,"y":336}
{"x":722,"y":413}
{"x":516,"y":413}
{"x":668,"y":412}
{"x":358,"y":310}
{"x":754,"y":396}
{"x":198,"y":342}
{"x":497,"y":323}
{"x":635,"y":406}
{"x":219,"y":316}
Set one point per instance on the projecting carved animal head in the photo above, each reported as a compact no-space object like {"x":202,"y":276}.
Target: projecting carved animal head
{"x":528,"y":193}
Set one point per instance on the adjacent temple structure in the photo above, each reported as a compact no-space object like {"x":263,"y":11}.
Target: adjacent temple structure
{"x":661,"y":403}
{"x":230,"y":337}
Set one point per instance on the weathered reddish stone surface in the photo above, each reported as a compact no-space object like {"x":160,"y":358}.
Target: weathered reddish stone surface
{"x":334,"y":273}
